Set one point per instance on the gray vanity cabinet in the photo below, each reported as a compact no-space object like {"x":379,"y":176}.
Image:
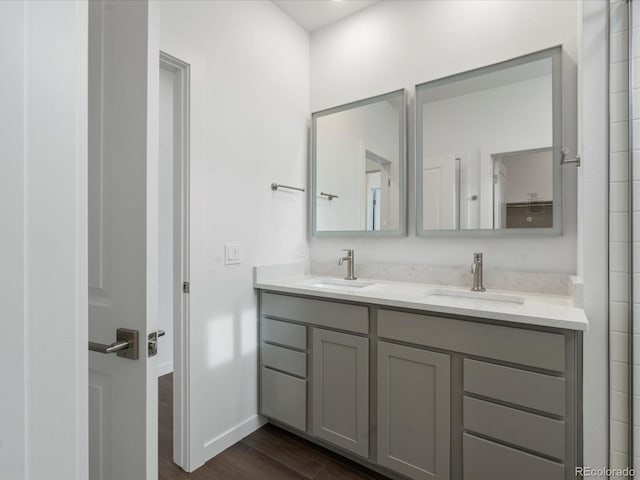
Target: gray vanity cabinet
{"x":327,"y":396}
{"x":421,"y":396}
{"x":413,"y":411}
{"x":283,"y":371}
{"x":341,"y":390}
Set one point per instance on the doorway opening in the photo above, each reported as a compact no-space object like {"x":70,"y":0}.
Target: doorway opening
{"x":523,"y":189}
{"x":173,"y":268}
{"x":377,"y":188}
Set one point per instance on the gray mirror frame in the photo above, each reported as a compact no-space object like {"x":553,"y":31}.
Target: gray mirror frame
{"x":313,"y":193}
{"x":555,"y":54}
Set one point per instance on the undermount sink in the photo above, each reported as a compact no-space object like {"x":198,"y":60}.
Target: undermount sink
{"x":337,"y":283}
{"x":483,"y":296}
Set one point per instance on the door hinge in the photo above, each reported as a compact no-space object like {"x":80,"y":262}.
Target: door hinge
{"x":495,"y":179}
{"x":185,"y":287}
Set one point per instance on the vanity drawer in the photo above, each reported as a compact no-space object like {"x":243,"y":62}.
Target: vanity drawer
{"x":483,"y":460}
{"x":289,"y":361}
{"x":533,"y":432}
{"x":528,"y":389}
{"x":284,"y":398}
{"x":353,"y":318}
{"x":284,"y":333}
{"x":517,"y":345}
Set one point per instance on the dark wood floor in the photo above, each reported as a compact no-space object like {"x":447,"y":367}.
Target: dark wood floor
{"x":267,"y":454}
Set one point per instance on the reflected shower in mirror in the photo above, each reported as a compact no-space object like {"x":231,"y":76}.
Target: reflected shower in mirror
{"x":359,"y":164}
{"x":523,"y":189}
{"x":487,"y":147}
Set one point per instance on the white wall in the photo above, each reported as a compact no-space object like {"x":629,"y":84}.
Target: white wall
{"x":43,"y":209}
{"x":249,"y":110}
{"x":13,"y":456}
{"x":593,"y":261}
{"x":512,"y":117}
{"x":619,"y":242}
{"x":165,"y":224}
{"x":635,"y":298}
{"x":402,"y":43}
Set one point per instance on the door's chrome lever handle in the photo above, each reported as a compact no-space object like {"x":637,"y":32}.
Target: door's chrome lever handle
{"x":104,"y":348}
{"x":126,"y":344}
{"x":161,"y":333}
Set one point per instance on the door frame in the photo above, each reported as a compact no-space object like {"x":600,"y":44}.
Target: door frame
{"x":181,"y":367}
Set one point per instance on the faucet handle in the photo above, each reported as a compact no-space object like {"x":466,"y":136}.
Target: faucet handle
{"x":349,"y":251}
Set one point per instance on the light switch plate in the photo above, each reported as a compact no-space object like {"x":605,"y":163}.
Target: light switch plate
{"x":232,"y":254}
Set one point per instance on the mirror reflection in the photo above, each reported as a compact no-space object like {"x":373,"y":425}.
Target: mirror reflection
{"x":486,"y":147}
{"x":358,"y":163}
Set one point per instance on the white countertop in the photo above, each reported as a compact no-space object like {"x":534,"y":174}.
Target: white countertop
{"x":537,"y":309}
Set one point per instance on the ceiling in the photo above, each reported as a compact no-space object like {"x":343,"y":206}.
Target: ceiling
{"x":314,"y":14}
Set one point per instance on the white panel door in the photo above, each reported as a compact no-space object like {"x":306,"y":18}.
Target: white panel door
{"x":486,"y":189}
{"x":499,"y":205}
{"x":43,"y":239}
{"x":441,"y":193}
{"x":122,"y":184}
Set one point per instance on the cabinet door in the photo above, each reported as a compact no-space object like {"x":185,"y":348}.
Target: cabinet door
{"x":341,"y":390}
{"x":284,"y":398}
{"x":413,"y":411}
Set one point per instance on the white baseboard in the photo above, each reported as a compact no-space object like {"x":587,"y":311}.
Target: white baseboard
{"x":213,"y":447}
{"x":164,"y":368}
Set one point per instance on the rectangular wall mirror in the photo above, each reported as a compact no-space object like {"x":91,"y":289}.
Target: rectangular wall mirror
{"x":488,"y":147}
{"x":358,"y":168}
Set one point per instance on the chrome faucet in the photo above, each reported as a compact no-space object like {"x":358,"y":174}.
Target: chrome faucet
{"x":350,"y":265}
{"x":476,"y":270}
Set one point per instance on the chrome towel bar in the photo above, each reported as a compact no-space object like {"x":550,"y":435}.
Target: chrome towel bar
{"x":330,"y":196}
{"x":276,"y":186}
{"x":563,"y":161}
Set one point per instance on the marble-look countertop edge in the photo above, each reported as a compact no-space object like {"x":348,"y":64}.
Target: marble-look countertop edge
{"x":538,"y":310}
